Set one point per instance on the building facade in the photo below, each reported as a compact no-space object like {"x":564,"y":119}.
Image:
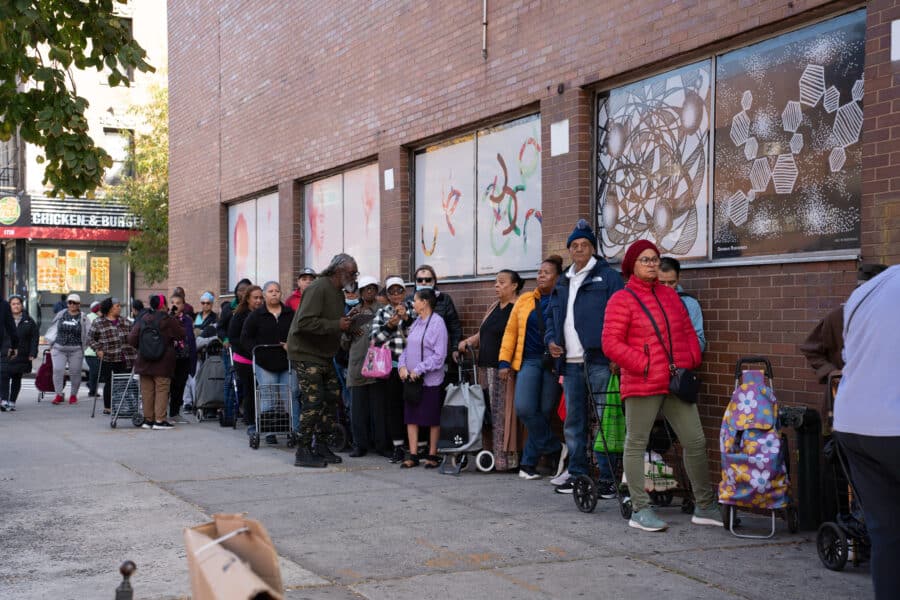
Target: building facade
{"x":756,"y":141}
{"x":53,"y":246}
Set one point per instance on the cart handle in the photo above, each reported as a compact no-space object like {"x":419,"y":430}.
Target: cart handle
{"x":748,"y":360}
{"x":471,"y":352}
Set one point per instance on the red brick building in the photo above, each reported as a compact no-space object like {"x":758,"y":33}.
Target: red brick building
{"x":730,"y":132}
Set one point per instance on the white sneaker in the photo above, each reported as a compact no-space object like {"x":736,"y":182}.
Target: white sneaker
{"x":4,"y":405}
{"x":561,"y":478}
{"x":563,"y":455}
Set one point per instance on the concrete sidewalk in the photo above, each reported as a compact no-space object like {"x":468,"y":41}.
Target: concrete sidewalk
{"x":78,"y":498}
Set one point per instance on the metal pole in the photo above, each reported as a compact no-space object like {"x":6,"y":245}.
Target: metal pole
{"x":125,"y":591}
{"x":484,"y":24}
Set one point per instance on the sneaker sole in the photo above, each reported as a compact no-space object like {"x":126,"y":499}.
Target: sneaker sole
{"x":636,"y":525}
{"x":607,"y":496}
{"x":706,"y":521}
{"x":528,"y":476}
{"x":568,"y":491}
{"x":561,"y":466}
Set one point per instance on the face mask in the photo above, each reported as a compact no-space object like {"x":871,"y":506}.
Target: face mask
{"x":352,"y":302}
{"x":424,"y":287}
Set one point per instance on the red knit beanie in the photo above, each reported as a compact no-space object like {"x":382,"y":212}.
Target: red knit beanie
{"x":631,"y":255}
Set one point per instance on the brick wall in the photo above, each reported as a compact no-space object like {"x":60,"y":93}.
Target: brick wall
{"x":266,"y":95}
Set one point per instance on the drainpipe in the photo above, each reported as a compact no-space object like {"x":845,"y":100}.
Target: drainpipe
{"x":484,"y":29}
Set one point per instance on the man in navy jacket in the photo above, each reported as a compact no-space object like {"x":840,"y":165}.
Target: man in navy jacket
{"x":574,"y":327}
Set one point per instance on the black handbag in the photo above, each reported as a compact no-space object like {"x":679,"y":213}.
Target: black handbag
{"x":412,"y":389}
{"x":684,"y":383}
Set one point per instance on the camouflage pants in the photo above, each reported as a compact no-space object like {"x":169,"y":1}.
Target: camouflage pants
{"x":321,"y":394}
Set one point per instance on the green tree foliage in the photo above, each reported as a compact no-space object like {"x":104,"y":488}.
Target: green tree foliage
{"x":40,"y":41}
{"x":146,"y":191}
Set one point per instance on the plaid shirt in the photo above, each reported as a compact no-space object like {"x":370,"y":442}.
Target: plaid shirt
{"x":111,"y":340}
{"x":395,"y":339}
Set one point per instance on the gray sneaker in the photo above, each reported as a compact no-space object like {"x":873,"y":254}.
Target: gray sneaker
{"x":647,"y":520}
{"x":711,"y":515}
{"x":179,"y":418}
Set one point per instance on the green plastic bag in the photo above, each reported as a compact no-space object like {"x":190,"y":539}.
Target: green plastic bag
{"x":612,"y":425}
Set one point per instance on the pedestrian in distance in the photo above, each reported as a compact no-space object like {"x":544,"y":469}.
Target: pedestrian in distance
{"x":251,"y":299}
{"x":368,"y":419}
{"x":109,"y":339}
{"x":313,"y":340}
{"x":304,"y":279}
{"x":426,"y":279}
{"x":185,"y":359}
{"x":669,"y":274}
{"x":154,"y":336}
{"x":68,"y":337}
{"x":15,"y":364}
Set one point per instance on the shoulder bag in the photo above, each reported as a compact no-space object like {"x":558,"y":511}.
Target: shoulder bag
{"x":412,"y":389}
{"x":684,"y":383}
{"x":378,"y":362}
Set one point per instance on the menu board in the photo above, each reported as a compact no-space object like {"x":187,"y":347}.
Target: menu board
{"x":47,"y":270}
{"x":76,"y":270}
{"x":99,"y":274}
{"x":61,"y":287}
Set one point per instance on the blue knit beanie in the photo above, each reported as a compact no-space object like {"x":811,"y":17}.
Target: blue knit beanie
{"x":582,"y":230}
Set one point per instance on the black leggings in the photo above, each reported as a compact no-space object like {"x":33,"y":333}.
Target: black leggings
{"x":248,"y":390}
{"x":179,"y":381}
{"x":106,"y":371}
{"x":10,"y":384}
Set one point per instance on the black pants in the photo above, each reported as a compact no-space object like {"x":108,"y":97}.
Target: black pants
{"x":248,"y":391}
{"x":875,"y":470}
{"x":93,"y":374}
{"x":368,"y":418}
{"x":390,"y":393}
{"x":106,"y":371}
{"x":179,"y":381}
{"x":10,"y":384}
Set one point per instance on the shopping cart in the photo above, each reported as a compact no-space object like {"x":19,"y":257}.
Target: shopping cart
{"x":273,"y":406}
{"x":126,"y":398}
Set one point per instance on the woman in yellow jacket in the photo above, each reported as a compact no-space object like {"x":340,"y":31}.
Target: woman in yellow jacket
{"x":537,"y":388}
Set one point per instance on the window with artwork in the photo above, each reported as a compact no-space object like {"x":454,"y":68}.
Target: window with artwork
{"x":342,"y":213}
{"x":478,"y":201}
{"x":785,"y":145}
{"x":252,"y":225}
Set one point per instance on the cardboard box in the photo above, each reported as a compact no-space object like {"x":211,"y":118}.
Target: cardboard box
{"x":232,"y":558}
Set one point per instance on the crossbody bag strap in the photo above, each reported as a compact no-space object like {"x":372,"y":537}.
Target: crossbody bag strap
{"x":422,"y":349}
{"x":541,"y":327}
{"x":655,"y":327}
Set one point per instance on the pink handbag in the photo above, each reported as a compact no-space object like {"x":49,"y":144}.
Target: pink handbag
{"x":377,"y":363}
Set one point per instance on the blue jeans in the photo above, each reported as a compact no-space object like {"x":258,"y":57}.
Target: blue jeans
{"x":228,"y":395}
{"x":288,"y":378}
{"x":576,"y":426}
{"x":537,"y":393}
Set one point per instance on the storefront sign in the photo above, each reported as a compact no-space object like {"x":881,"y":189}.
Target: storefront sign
{"x":37,"y":217}
{"x":65,"y":233}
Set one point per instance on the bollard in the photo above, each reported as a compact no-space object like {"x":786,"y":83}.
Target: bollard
{"x":808,"y":425}
{"x":125,"y":591}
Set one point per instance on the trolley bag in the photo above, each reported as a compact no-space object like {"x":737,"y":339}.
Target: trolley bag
{"x":754,"y":471}
{"x":210,"y":383}
{"x":232,"y":557}
{"x":43,"y":380}
{"x":612,"y":425}
{"x":462,"y":416}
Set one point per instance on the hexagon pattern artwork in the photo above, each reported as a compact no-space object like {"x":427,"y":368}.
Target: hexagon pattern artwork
{"x":747,"y":100}
{"x":750,"y":148}
{"x":848,"y":124}
{"x":738,"y":208}
{"x":760,"y":173}
{"x":784,"y":175}
{"x":797,"y":143}
{"x":812,"y":84}
{"x":832,"y":99}
{"x":858,"y":90}
{"x":740,"y":128}
{"x":836,"y":159}
{"x":791,"y":116}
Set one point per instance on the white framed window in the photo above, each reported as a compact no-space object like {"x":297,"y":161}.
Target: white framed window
{"x":119,"y":144}
{"x":478,"y":201}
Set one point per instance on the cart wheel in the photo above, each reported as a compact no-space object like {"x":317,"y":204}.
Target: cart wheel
{"x":337,"y":439}
{"x":793,"y":519}
{"x":584,"y":491}
{"x":112,"y":424}
{"x":254,"y":441}
{"x":484,"y":461}
{"x":831,"y":542}
{"x":137,"y":420}
{"x":292,"y":439}
{"x":687,"y":507}
{"x":463,"y":462}
{"x":625,"y":507}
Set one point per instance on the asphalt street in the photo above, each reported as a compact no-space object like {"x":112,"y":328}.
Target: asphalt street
{"x":78,"y":497}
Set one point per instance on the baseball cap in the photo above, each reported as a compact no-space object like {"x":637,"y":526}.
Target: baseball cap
{"x":392,"y":281}
{"x":366,"y":280}
{"x":307,"y":271}
{"x":95,"y":306}
{"x":74,"y":298}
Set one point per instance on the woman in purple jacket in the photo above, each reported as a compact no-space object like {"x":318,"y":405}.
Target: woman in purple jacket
{"x":423,"y":358}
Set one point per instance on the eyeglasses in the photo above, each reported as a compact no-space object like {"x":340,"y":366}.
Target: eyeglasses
{"x":395,"y":291}
{"x":649,"y":260}
{"x":75,"y":303}
{"x":424,"y":279}
{"x":206,"y":303}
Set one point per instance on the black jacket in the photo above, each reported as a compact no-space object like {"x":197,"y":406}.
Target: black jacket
{"x":236,"y":322}
{"x":262,"y":328}
{"x":447,"y":310}
{"x":9,"y":337}
{"x":28,"y":335}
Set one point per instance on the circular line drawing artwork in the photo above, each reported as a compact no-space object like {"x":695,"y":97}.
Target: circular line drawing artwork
{"x":653,"y":148}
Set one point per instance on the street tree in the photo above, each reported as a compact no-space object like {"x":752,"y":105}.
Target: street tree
{"x":144,"y":190}
{"x":41,"y":41}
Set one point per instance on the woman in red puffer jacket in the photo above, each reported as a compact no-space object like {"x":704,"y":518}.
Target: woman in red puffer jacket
{"x":630,"y":341}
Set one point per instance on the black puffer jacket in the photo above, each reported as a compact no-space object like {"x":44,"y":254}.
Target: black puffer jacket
{"x":29,"y":334}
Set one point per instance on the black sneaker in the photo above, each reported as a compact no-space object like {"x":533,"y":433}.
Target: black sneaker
{"x":606,"y":490}
{"x":357,"y":452}
{"x":305,"y":457}
{"x":162,"y":425}
{"x":567,"y":487}
{"x":11,"y":407}
{"x":327,"y":455}
{"x":398,"y":455}
{"x":528,"y":472}
{"x":147,"y":424}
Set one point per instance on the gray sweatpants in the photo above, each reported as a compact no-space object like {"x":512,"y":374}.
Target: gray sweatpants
{"x":61,"y":355}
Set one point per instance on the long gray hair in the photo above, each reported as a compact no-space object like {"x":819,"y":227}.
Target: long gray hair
{"x":338,"y":261}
